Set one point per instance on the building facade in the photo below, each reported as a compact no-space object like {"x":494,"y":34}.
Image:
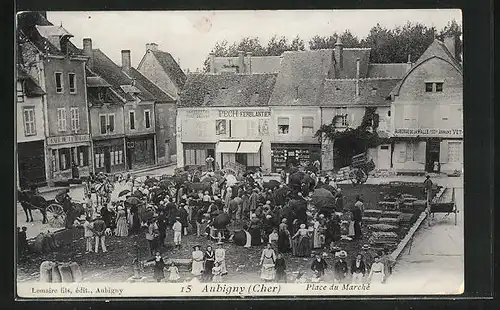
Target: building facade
{"x":49,"y":56}
{"x":227,"y":117}
{"x":427,"y":126}
{"x":31,"y":161}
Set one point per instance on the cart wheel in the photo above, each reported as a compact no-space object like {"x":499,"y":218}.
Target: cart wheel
{"x":55,"y":215}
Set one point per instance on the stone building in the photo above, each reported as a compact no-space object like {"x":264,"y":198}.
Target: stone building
{"x":427,"y":109}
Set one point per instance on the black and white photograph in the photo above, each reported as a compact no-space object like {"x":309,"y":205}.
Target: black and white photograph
{"x":239,"y":153}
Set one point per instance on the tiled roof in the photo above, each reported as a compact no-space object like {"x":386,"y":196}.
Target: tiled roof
{"x":227,"y":90}
{"x":171,"y":67}
{"x":301,"y":77}
{"x":349,"y":56}
{"x":259,"y":64}
{"x":95,"y":81}
{"x":31,"y":87}
{"x":48,"y":31}
{"x":159,"y":94}
{"x":113,"y":74}
{"x":29,"y":25}
{"x":395,"y":70}
{"x":372,"y":92}
{"x":436,"y":49}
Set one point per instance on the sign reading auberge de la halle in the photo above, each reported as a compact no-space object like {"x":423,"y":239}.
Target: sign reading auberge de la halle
{"x":428,"y":132}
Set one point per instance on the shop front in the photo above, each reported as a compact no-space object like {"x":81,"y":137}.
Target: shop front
{"x":31,"y":163}
{"x":140,"y":151}
{"x":244,"y":154}
{"x":427,"y":150}
{"x":283,"y":154}
{"x":195,"y":154}
{"x":69,"y":157}
{"x":109,"y":155}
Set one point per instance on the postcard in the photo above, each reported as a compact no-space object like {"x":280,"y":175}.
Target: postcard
{"x":239,"y":153}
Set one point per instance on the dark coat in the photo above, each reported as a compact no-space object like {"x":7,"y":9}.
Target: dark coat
{"x":319,"y":266}
{"x":340,"y":269}
{"x":360,"y":269}
{"x":356,"y":214}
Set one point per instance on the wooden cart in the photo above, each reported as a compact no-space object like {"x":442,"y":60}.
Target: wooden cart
{"x":445,"y":207}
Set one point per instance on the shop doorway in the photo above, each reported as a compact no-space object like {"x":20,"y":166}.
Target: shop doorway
{"x":384,"y":157}
{"x":107,"y":160}
{"x":432,"y":155}
{"x":241,"y":158}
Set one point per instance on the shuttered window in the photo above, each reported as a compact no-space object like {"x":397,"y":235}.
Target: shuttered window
{"x":29,"y":122}
{"x":454,"y":151}
{"x":307,"y":125}
{"x":75,"y":119}
{"x":103,"y":124}
{"x":61,"y":119}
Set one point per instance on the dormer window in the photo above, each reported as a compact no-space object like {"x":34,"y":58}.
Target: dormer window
{"x":207,"y":98}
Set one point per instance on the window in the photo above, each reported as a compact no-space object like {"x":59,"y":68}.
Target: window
{"x":428,"y":87}
{"x":103,"y":124}
{"x":374,"y":91}
{"x":29,"y":122}
{"x":83,"y":156}
{"x":116,"y":156}
{"x":132,"y":120}
{"x":54,"y":160}
{"x":411,"y":151}
{"x":100,"y":95}
{"x":342,"y":113}
{"x":20,"y":92}
{"x":111,"y":123}
{"x":307,"y":125}
{"x":283,"y":125}
{"x":99,"y":158}
{"x":147,"y":118}
{"x":220,"y":127}
{"x":439,"y":87}
{"x":59,"y":85}
{"x":64,"y":159}
{"x":75,"y":119}
{"x":72,"y":83}
{"x":454,"y":151}
{"x":61,"y":119}
{"x":389,"y":113}
{"x":434,"y":87}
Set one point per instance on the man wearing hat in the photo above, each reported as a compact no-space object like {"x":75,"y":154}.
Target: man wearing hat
{"x":428,"y":188}
{"x":340,"y":267}
{"x":177,"y":228}
{"x":99,"y":227}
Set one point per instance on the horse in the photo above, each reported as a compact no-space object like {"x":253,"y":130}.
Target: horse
{"x":29,"y":201}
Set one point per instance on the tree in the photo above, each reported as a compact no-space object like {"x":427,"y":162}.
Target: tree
{"x":349,"y":40}
{"x":220,"y":50}
{"x":277,"y":46}
{"x":318,"y":42}
{"x":297,"y":44}
{"x":453,"y":29}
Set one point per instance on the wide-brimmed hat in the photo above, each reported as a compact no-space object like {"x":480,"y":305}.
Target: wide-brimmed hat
{"x":268,"y":216}
{"x":342,"y":254}
{"x":284,"y":220}
{"x":365,"y":247}
{"x":196,"y":246}
{"x":302,"y":226}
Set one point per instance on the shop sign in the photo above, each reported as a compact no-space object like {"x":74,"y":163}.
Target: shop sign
{"x":197,"y":113}
{"x":428,"y":132}
{"x":243,"y":113}
{"x":130,"y":145}
{"x":67,"y":139}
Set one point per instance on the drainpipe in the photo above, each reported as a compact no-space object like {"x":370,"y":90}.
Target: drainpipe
{"x":357,"y":77}
{"x":89,"y":129}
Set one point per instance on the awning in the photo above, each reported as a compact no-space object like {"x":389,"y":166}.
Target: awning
{"x":249,"y":147}
{"x":227,"y":147}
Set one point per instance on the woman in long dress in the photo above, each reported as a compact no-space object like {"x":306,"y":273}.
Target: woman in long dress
{"x":209,"y":263}
{"x":350,"y":230}
{"x":159,"y":266}
{"x":317,"y":235}
{"x":303,"y":242}
{"x":280,"y":266}
{"x":197,"y":266}
{"x":376,"y":272}
{"x":220,"y":258}
{"x":121,"y":223}
{"x":284,"y":241}
{"x":267,"y":261}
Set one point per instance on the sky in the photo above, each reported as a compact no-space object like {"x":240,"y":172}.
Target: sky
{"x":190,"y":35}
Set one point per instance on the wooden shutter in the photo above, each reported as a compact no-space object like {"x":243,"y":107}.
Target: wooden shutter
{"x":421,"y":152}
{"x":401,"y":153}
{"x":443,"y":152}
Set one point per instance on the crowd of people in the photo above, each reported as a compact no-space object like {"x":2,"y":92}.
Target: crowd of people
{"x":247,"y":212}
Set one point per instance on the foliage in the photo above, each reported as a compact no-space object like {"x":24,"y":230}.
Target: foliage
{"x":356,"y":140}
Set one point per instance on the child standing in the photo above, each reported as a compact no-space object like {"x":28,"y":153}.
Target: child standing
{"x":273,"y":238}
{"x":88,"y":234}
{"x":174,"y":273}
{"x":217,"y":273}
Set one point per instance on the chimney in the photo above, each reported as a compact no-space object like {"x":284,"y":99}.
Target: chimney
{"x":212,"y":63}
{"x":241,"y":62}
{"x":126,"y":61}
{"x":249,"y":56}
{"x":151,"y":47}
{"x":408,"y":63}
{"x":87,"y":51}
{"x":338,"y":53}
{"x":357,"y":76}
{"x":449,"y":42}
